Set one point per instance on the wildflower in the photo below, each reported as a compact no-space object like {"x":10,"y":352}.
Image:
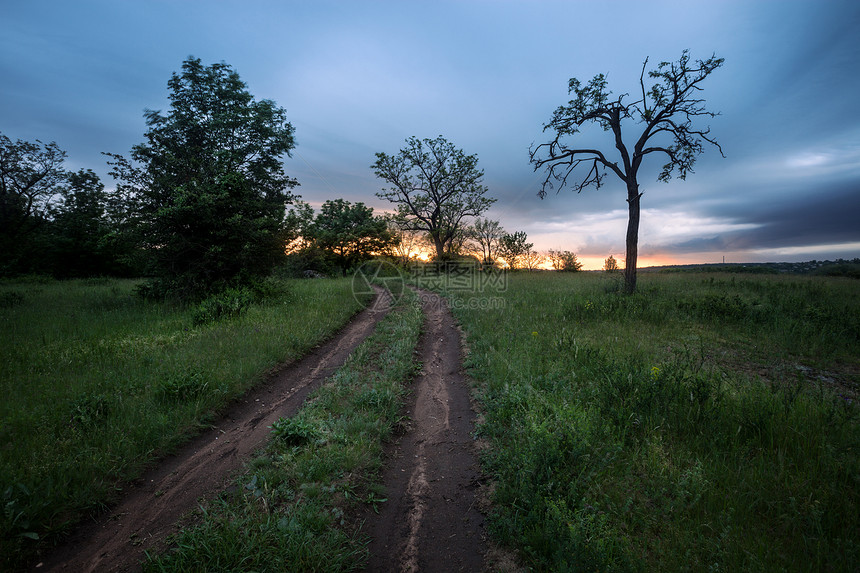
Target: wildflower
{"x":655,"y":372}
{"x":534,"y":333}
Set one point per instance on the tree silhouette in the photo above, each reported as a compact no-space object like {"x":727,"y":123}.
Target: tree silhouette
{"x":208,"y":187}
{"x":435,"y":187}
{"x":666,"y":112}
{"x":80,"y":228}
{"x":564,"y":261}
{"x":31,"y":175}
{"x":350,"y":232}
{"x":487,"y":233}
{"x":512,"y":248}
{"x":610,"y":265}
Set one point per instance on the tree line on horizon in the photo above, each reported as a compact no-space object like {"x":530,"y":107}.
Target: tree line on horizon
{"x":71,"y":226}
{"x":201,"y":204}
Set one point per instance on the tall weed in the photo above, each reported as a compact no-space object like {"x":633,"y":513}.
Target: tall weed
{"x":670,"y":430}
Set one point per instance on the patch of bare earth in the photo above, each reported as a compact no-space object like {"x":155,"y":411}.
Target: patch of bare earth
{"x":430,"y":521}
{"x":152,"y":506}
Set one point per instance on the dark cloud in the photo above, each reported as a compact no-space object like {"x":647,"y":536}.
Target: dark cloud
{"x":825,"y":216}
{"x":357,"y":78}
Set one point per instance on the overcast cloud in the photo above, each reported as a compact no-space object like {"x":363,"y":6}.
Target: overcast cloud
{"x":360,"y":77}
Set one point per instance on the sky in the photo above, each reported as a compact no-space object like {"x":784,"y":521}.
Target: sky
{"x":360,"y":77}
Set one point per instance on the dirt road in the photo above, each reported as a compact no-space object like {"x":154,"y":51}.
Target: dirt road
{"x":149,"y":511}
{"x":431,"y":521}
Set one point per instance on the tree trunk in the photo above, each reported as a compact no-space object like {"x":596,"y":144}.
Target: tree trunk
{"x":440,"y":248}
{"x":633,"y":197}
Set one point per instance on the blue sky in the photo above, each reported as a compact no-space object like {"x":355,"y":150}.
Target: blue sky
{"x":360,"y":77}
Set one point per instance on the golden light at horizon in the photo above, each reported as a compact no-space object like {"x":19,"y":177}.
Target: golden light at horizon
{"x":589,"y":262}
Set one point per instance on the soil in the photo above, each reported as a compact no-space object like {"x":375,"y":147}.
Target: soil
{"x":153,"y":505}
{"x":430,"y":521}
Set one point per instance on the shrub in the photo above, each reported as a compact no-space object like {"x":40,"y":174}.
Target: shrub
{"x":229,"y":303}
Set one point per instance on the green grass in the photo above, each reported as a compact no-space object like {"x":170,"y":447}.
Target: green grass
{"x":707,"y":423}
{"x":292,"y":508}
{"x":97,"y":382}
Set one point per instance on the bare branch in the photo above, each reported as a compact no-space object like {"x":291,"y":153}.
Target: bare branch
{"x":667,"y":110}
{"x":646,"y":112}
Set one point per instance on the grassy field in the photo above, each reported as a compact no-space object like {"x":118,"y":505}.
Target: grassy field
{"x":708,"y":423}
{"x":97,"y":382}
{"x":291,"y":508}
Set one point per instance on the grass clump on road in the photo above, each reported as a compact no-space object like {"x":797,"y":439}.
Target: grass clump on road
{"x":98,"y":382}
{"x":290,"y":510}
{"x":706,"y":423}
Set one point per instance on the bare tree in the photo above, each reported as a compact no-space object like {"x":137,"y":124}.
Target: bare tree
{"x":532,"y":260}
{"x":435,"y":187}
{"x":487,"y":234}
{"x":666,"y":111}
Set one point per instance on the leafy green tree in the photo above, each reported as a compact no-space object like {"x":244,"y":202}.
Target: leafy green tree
{"x":297,"y":224}
{"x":208,"y":184}
{"x":80,"y":227}
{"x":435,"y":187}
{"x":303,"y":256}
{"x":122,"y":241}
{"x":513,"y":247}
{"x":610,"y":265}
{"x":350,"y":232}
{"x":665,"y":114}
{"x":458,"y":245}
{"x":31,"y":175}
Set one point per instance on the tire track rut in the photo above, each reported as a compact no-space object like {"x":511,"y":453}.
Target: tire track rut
{"x":431,"y":521}
{"x":152,"y":505}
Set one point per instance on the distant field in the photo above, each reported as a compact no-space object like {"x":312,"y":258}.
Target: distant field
{"x":709,"y":422}
{"x":96,"y":382}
